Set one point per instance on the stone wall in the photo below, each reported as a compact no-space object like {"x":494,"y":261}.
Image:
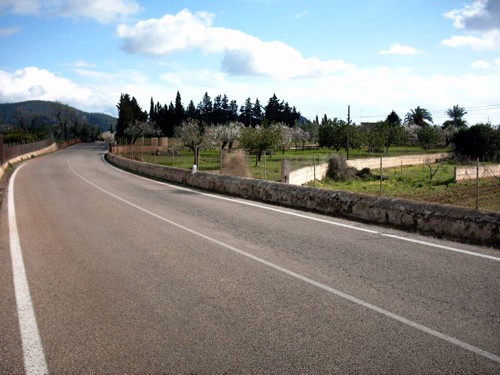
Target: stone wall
{"x":438,"y":220}
{"x":303,"y":175}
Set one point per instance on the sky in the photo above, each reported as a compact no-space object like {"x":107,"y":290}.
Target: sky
{"x":320,"y":56}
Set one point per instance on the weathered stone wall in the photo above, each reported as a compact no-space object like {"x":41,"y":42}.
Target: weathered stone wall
{"x":439,"y":220}
{"x":306,"y":174}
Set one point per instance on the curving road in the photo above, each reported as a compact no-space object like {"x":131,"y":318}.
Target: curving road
{"x":105,"y":272}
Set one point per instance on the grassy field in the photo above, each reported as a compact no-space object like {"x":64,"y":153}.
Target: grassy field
{"x":415,"y":183}
{"x":270,"y":165}
{"x":412,"y":182}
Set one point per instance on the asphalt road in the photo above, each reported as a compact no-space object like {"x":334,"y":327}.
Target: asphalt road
{"x":120,"y":274}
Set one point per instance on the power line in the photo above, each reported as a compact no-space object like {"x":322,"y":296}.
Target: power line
{"x":491,"y":111}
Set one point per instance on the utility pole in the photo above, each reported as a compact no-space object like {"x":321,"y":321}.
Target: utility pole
{"x":347,"y":130}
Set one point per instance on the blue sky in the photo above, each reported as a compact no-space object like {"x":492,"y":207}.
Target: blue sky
{"x":318,"y":55}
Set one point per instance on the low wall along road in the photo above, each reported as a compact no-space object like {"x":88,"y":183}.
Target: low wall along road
{"x":439,"y":220}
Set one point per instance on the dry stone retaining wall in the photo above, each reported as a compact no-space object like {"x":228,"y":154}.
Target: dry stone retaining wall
{"x":439,"y":220}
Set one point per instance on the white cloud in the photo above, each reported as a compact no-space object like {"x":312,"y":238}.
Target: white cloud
{"x":103,"y":11}
{"x":32,"y":83}
{"x":371,"y":93}
{"x":486,"y":41}
{"x":461,"y":16}
{"x":8,"y":31}
{"x":480,"y":64}
{"x":480,"y":15}
{"x":398,"y":49}
{"x":481,"y":23}
{"x":243,"y":54}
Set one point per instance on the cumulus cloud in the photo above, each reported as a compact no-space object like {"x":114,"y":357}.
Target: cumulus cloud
{"x":32,"y":83}
{"x":480,"y":15}
{"x":243,"y":54}
{"x":480,"y":21}
{"x":103,"y":11}
{"x":398,"y":49}
{"x":486,"y":41}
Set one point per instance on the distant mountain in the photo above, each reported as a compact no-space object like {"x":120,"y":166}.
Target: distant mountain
{"x":45,"y":112}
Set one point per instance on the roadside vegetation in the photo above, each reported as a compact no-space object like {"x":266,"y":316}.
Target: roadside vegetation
{"x":220,"y":136}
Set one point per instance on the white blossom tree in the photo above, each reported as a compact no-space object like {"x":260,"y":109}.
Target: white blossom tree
{"x":191,"y":135}
{"x":299,"y":135}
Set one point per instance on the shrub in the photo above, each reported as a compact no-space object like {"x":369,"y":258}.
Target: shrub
{"x":338,"y":169}
{"x":236,"y":164}
{"x":365,"y":174}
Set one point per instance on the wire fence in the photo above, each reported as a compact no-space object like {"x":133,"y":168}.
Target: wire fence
{"x":11,"y":151}
{"x":431,"y":178}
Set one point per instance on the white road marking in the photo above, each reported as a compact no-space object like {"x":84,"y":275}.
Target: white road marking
{"x":442,"y":247}
{"x":336,"y":292}
{"x":34,"y":358}
{"x":303,"y":216}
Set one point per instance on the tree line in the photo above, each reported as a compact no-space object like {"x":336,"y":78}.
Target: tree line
{"x":416,"y":129}
{"x":36,"y":120}
{"x":165,"y":119}
{"x":260,"y":127}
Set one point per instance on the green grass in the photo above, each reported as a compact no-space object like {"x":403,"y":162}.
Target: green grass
{"x":269,"y":167}
{"x":412,"y":182}
{"x":415,"y":183}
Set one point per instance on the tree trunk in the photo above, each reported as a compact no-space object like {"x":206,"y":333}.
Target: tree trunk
{"x":258,"y":157}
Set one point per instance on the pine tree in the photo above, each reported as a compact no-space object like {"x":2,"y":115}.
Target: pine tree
{"x":125,"y":115}
{"x":179,"y":110}
{"x":191,"y":112}
{"x":246,"y":112}
{"x":205,"y":109}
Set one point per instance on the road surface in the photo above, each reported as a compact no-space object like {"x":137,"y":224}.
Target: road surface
{"x":106,"y":272}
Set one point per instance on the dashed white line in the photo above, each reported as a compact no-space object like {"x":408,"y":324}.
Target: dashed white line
{"x":34,"y":358}
{"x":336,"y":292}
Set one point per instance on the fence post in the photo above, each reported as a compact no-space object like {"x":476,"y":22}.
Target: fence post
{"x":2,"y":155}
{"x":314,"y":164}
{"x":265,"y":166}
{"x":477,"y":184}
{"x":285,"y":171}
{"x":381,"y":175}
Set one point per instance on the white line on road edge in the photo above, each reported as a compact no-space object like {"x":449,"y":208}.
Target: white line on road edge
{"x":361,"y":229}
{"x":34,"y":358}
{"x":336,"y":292}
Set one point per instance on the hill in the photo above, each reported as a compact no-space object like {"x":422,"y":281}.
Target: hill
{"x":45,"y":113}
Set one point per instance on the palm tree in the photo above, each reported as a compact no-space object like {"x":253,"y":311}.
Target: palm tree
{"x":456,"y":115}
{"x":419,"y":117}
